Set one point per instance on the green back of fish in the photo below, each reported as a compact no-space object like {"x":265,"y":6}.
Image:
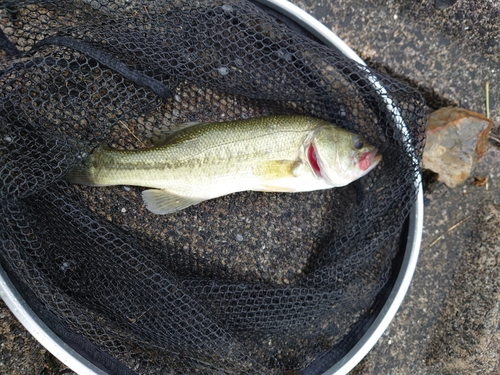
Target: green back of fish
{"x":209,"y":155}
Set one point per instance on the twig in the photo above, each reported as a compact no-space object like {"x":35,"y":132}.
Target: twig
{"x":487,"y":99}
{"x":494,"y":138}
{"x":134,"y":320}
{"x":130,"y":131}
{"x":449,"y":230}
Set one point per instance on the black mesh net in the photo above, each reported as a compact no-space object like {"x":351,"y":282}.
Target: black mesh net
{"x":264,"y":283}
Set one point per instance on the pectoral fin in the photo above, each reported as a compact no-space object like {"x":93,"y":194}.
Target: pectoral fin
{"x":275,"y":169}
{"x":277,"y":175}
{"x":162,"y":202}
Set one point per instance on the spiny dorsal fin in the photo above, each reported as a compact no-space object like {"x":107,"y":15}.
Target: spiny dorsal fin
{"x":167,"y":131}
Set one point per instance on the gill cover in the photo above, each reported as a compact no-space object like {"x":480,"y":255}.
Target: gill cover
{"x":338,"y":153}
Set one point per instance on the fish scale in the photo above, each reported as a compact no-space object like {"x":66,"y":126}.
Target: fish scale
{"x":208,"y":160}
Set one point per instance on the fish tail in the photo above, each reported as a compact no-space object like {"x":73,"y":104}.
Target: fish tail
{"x":82,"y":173}
{"x":78,"y":175}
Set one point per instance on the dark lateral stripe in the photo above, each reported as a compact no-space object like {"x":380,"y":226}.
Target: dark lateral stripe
{"x":111,"y":62}
{"x":115,"y":159}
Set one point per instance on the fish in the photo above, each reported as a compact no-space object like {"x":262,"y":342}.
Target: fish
{"x":287,"y":153}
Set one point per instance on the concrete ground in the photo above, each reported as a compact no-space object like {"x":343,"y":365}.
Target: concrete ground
{"x":449,"y":322}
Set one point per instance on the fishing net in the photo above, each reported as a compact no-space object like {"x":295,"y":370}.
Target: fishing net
{"x":249,"y":283}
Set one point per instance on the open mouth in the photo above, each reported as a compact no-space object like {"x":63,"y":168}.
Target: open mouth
{"x":369,"y":160}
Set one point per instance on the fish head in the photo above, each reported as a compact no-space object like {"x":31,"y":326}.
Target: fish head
{"x":339,"y":156}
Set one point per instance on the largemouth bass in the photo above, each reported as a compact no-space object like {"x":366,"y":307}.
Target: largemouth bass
{"x":209,"y":160}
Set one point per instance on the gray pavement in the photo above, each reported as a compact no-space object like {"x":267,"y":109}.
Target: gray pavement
{"x":449,"y":321}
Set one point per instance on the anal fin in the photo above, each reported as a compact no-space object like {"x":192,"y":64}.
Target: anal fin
{"x":162,"y":202}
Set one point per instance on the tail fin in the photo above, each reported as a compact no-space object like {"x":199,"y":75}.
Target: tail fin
{"x":82,"y":173}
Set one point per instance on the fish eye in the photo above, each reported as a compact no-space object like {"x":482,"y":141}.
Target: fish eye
{"x":357,"y":143}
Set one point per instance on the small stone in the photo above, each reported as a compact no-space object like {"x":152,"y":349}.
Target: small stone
{"x":444,"y":4}
{"x":456,"y":139}
{"x":481,"y":181}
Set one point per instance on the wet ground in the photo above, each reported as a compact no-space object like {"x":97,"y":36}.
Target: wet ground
{"x":449,"y":321}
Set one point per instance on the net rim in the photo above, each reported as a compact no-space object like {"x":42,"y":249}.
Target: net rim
{"x":55,"y":345}
{"x":402,"y":283}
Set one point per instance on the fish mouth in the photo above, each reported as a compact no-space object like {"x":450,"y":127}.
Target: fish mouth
{"x":369,"y":160}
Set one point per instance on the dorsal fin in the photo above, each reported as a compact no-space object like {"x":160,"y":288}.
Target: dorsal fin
{"x":167,"y":131}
